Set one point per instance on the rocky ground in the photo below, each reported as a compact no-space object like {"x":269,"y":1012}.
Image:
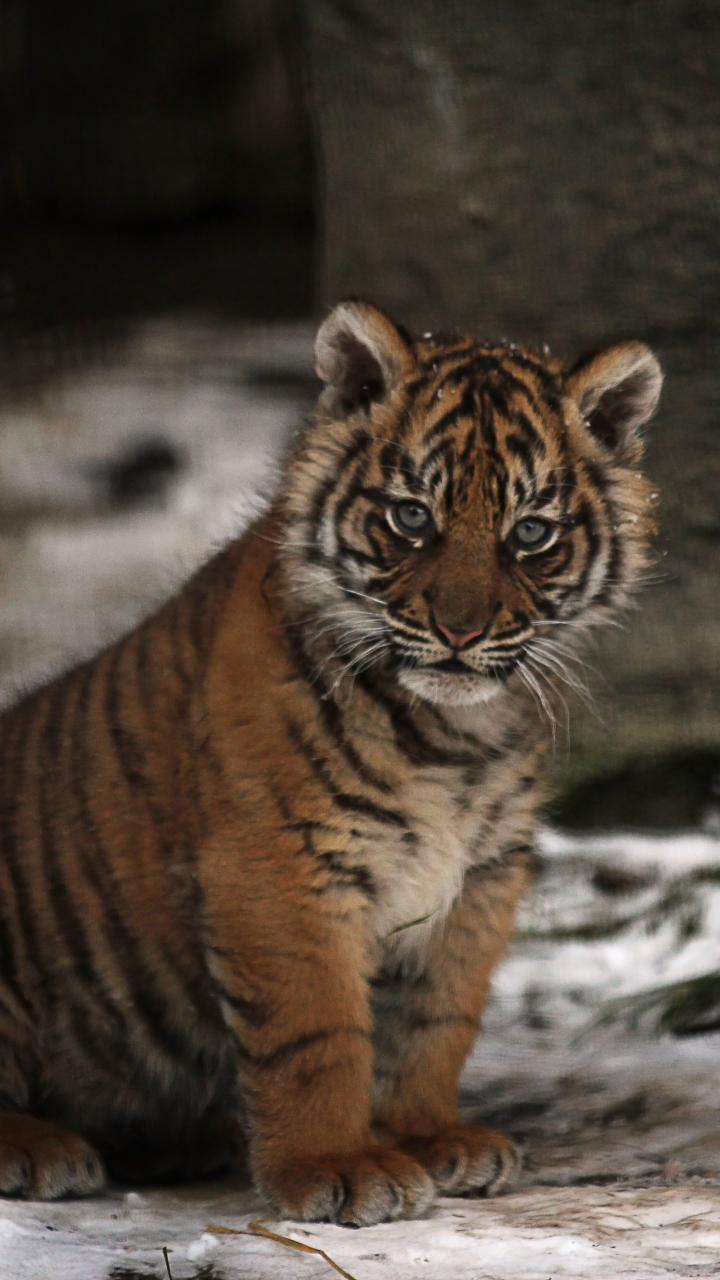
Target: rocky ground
{"x":601,"y":1047}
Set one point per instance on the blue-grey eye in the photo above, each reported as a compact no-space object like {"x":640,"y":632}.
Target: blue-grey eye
{"x":412,"y":518}
{"x":532,"y":533}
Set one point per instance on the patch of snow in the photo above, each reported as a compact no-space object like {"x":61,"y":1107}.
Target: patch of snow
{"x":74,"y":575}
{"x":673,"y":853}
{"x":200,"y":1248}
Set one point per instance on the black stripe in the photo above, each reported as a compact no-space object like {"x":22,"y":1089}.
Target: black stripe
{"x":150,"y":1006}
{"x":291,"y":1048}
{"x":586,"y":521}
{"x":49,"y":781}
{"x":127,"y":749}
{"x":524,"y":427}
{"x":19,"y":919}
{"x":596,"y":474}
{"x":470,"y":447}
{"x":504,"y":860}
{"x":347,"y":875}
{"x":516,"y":445}
{"x":420,"y":383}
{"x":408,"y":738}
{"x":549,"y":489}
{"x":254,"y":1012}
{"x":612,"y":570}
{"x":355,"y":488}
{"x":502,"y":387}
{"x":343,"y":799}
{"x":444,"y":451}
{"x":549,"y":380}
{"x":357,"y":445}
{"x":385,"y":579}
{"x":85,"y":1001}
{"x":146,"y":683}
{"x":463,"y":409}
{"x":331,"y":716}
{"x":437,"y":359}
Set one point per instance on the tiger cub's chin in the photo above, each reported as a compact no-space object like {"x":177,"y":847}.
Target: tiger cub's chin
{"x":445,"y":690}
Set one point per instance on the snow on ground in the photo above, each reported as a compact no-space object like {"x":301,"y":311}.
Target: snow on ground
{"x":620,"y":1126}
{"x":603,"y":1233}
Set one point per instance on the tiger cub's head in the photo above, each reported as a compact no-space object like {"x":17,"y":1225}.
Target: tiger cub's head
{"x":453,"y":505}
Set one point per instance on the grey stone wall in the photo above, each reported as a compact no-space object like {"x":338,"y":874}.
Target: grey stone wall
{"x":550,"y":172}
{"x":148,"y":110}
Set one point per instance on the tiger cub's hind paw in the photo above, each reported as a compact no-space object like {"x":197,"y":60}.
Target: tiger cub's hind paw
{"x":356,"y":1190}
{"x":41,"y":1161}
{"x":467,"y":1158}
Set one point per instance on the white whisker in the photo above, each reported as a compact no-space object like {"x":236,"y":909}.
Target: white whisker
{"x":540,"y":674}
{"x":559,"y":668}
{"x":539,"y":696}
{"x":363,"y":595}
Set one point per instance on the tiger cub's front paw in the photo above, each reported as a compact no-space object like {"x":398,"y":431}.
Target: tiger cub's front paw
{"x":467,"y":1157}
{"x":357,"y":1190}
{"x":44,"y":1162}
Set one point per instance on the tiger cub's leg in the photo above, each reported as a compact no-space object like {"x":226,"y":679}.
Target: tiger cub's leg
{"x":301,"y":1021}
{"x":425,"y":1029}
{"x":42,"y":1161}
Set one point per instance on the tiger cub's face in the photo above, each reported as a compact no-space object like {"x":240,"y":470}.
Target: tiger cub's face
{"x":454,"y":505}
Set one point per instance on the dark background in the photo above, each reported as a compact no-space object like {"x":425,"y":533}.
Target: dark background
{"x":156,"y":155}
{"x":537,"y":171}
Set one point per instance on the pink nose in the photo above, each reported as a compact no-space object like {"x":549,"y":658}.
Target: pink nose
{"x":458,"y":639}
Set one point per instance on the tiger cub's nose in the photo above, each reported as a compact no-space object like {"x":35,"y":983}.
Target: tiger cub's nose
{"x":458,"y":639}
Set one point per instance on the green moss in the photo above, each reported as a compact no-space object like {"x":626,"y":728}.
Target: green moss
{"x":673,"y":791}
{"x":688,"y":1008}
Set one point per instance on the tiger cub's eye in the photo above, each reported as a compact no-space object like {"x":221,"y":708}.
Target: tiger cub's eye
{"x":411,"y":517}
{"x":532,"y":533}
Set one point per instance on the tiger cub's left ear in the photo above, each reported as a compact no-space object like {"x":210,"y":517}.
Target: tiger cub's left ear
{"x":616,"y":392}
{"x":361,"y":356}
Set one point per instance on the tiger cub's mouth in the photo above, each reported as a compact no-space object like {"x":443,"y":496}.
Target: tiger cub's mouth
{"x":452,"y":689}
{"x":452,"y":681}
{"x":452,"y":665}
{"x":455,"y":666}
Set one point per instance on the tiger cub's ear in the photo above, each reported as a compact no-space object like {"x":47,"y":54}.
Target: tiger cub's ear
{"x":361,"y":356}
{"x":616,"y":392}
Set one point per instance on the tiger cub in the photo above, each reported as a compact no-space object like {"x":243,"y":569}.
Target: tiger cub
{"x":260,"y":857}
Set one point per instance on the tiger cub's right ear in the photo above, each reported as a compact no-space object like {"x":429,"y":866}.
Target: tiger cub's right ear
{"x":616,"y":392}
{"x":361,"y":356}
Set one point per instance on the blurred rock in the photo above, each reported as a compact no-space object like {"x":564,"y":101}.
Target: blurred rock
{"x":551,"y":173}
{"x":676,"y":792}
{"x":141,"y":476}
{"x":146,"y":112}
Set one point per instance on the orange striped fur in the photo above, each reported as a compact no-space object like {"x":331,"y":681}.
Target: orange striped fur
{"x":259,"y":858}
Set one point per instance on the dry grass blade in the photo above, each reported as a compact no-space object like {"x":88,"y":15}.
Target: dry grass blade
{"x":399,"y":927}
{"x":259,"y":1229}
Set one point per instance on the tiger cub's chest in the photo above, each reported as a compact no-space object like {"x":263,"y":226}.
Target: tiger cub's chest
{"x":420,"y":875}
{"x":457,"y":816}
